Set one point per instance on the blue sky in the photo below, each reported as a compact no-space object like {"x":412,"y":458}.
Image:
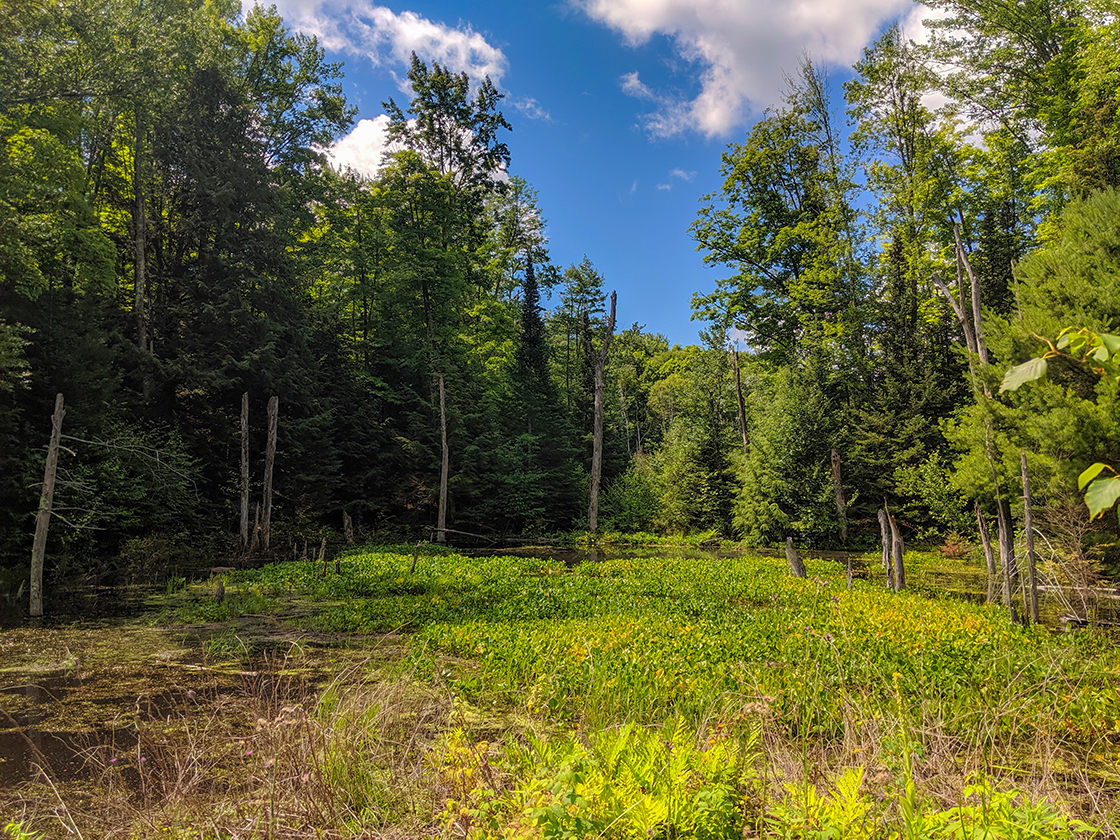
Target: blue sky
{"x":620,"y":108}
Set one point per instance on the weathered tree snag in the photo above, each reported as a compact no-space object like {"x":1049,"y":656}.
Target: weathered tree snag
{"x":245,"y":471}
{"x":347,"y":527}
{"x":848,"y":563}
{"x":1030,"y":599}
{"x":974,"y":284}
{"x":795,"y":564}
{"x":600,"y":358}
{"x":985,"y":540}
{"x":415,"y":558}
{"x":269,"y":461}
{"x":1007,"y":557}
{"x":897,"y":550}
{"x":323,"y":555}
{"x":46,"y":499}
{"x":838,"y":488}
{"x":885,"y":538}
{"x":741,"y":418}
{"x":444,"y":466}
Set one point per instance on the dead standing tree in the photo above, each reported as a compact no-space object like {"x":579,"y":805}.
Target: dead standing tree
{"x":796,"y":565}
{"x":245,"y":471}
{"x":46,"y":499}
{"x":974,"y":341}
{"x":600,"y":359}
{"x":841,"y":505}
{"x":269,"y":462}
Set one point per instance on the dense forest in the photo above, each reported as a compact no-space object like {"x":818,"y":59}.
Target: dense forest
{"x":172,"y":237}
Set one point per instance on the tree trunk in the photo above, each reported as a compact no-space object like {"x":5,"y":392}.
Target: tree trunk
{"x":245,"y":471}
{"x":255,"y":539}
{"x":1007,"y":556}
{"x":741,"y":419}
{"x":444,"y":466}
{"x":885,"y":538}
{"x":795,"y":564}
{"x":986,"y":541}
{"x":597,"y":441}
{"x":43,"y":519}
{"x":897,"y":550}
{"x":347,"y":527}
{"x":1031,"y":598}
{"x":269,"y":461}
{"x":841,"y":506}
{"x":140,"y":240}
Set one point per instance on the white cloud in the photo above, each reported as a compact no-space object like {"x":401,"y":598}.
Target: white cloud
{"x":358,"y":27}
{"x":362,"y":148}
{"x":531,"y":109}
{"x":633,"y":188}
{"x":664,"y":186}
{"x":633,"y":86}
{"x":684,"y":176}
{"x":744,"y":49}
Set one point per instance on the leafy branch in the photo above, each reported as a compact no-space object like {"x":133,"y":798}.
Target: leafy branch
{"x":1101,"y":353}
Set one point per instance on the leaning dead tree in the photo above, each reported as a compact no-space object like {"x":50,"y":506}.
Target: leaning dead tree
{"x":600,"y":359}
{"x":46,"y":499}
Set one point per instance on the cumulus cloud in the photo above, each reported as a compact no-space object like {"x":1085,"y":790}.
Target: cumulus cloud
{"x":386,"y":38}
{"x":664,"y":186}
{"x":362,"y":148}
{"x":684,"y":176}
{"x":744,"y":50}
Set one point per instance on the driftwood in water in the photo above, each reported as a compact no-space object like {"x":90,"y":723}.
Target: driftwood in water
{"x":43,"y":518}
{"x":269,"y":461}
{"x":245,"y":471}
{"x":1030,"y":596}
{"x":795,"y":564}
